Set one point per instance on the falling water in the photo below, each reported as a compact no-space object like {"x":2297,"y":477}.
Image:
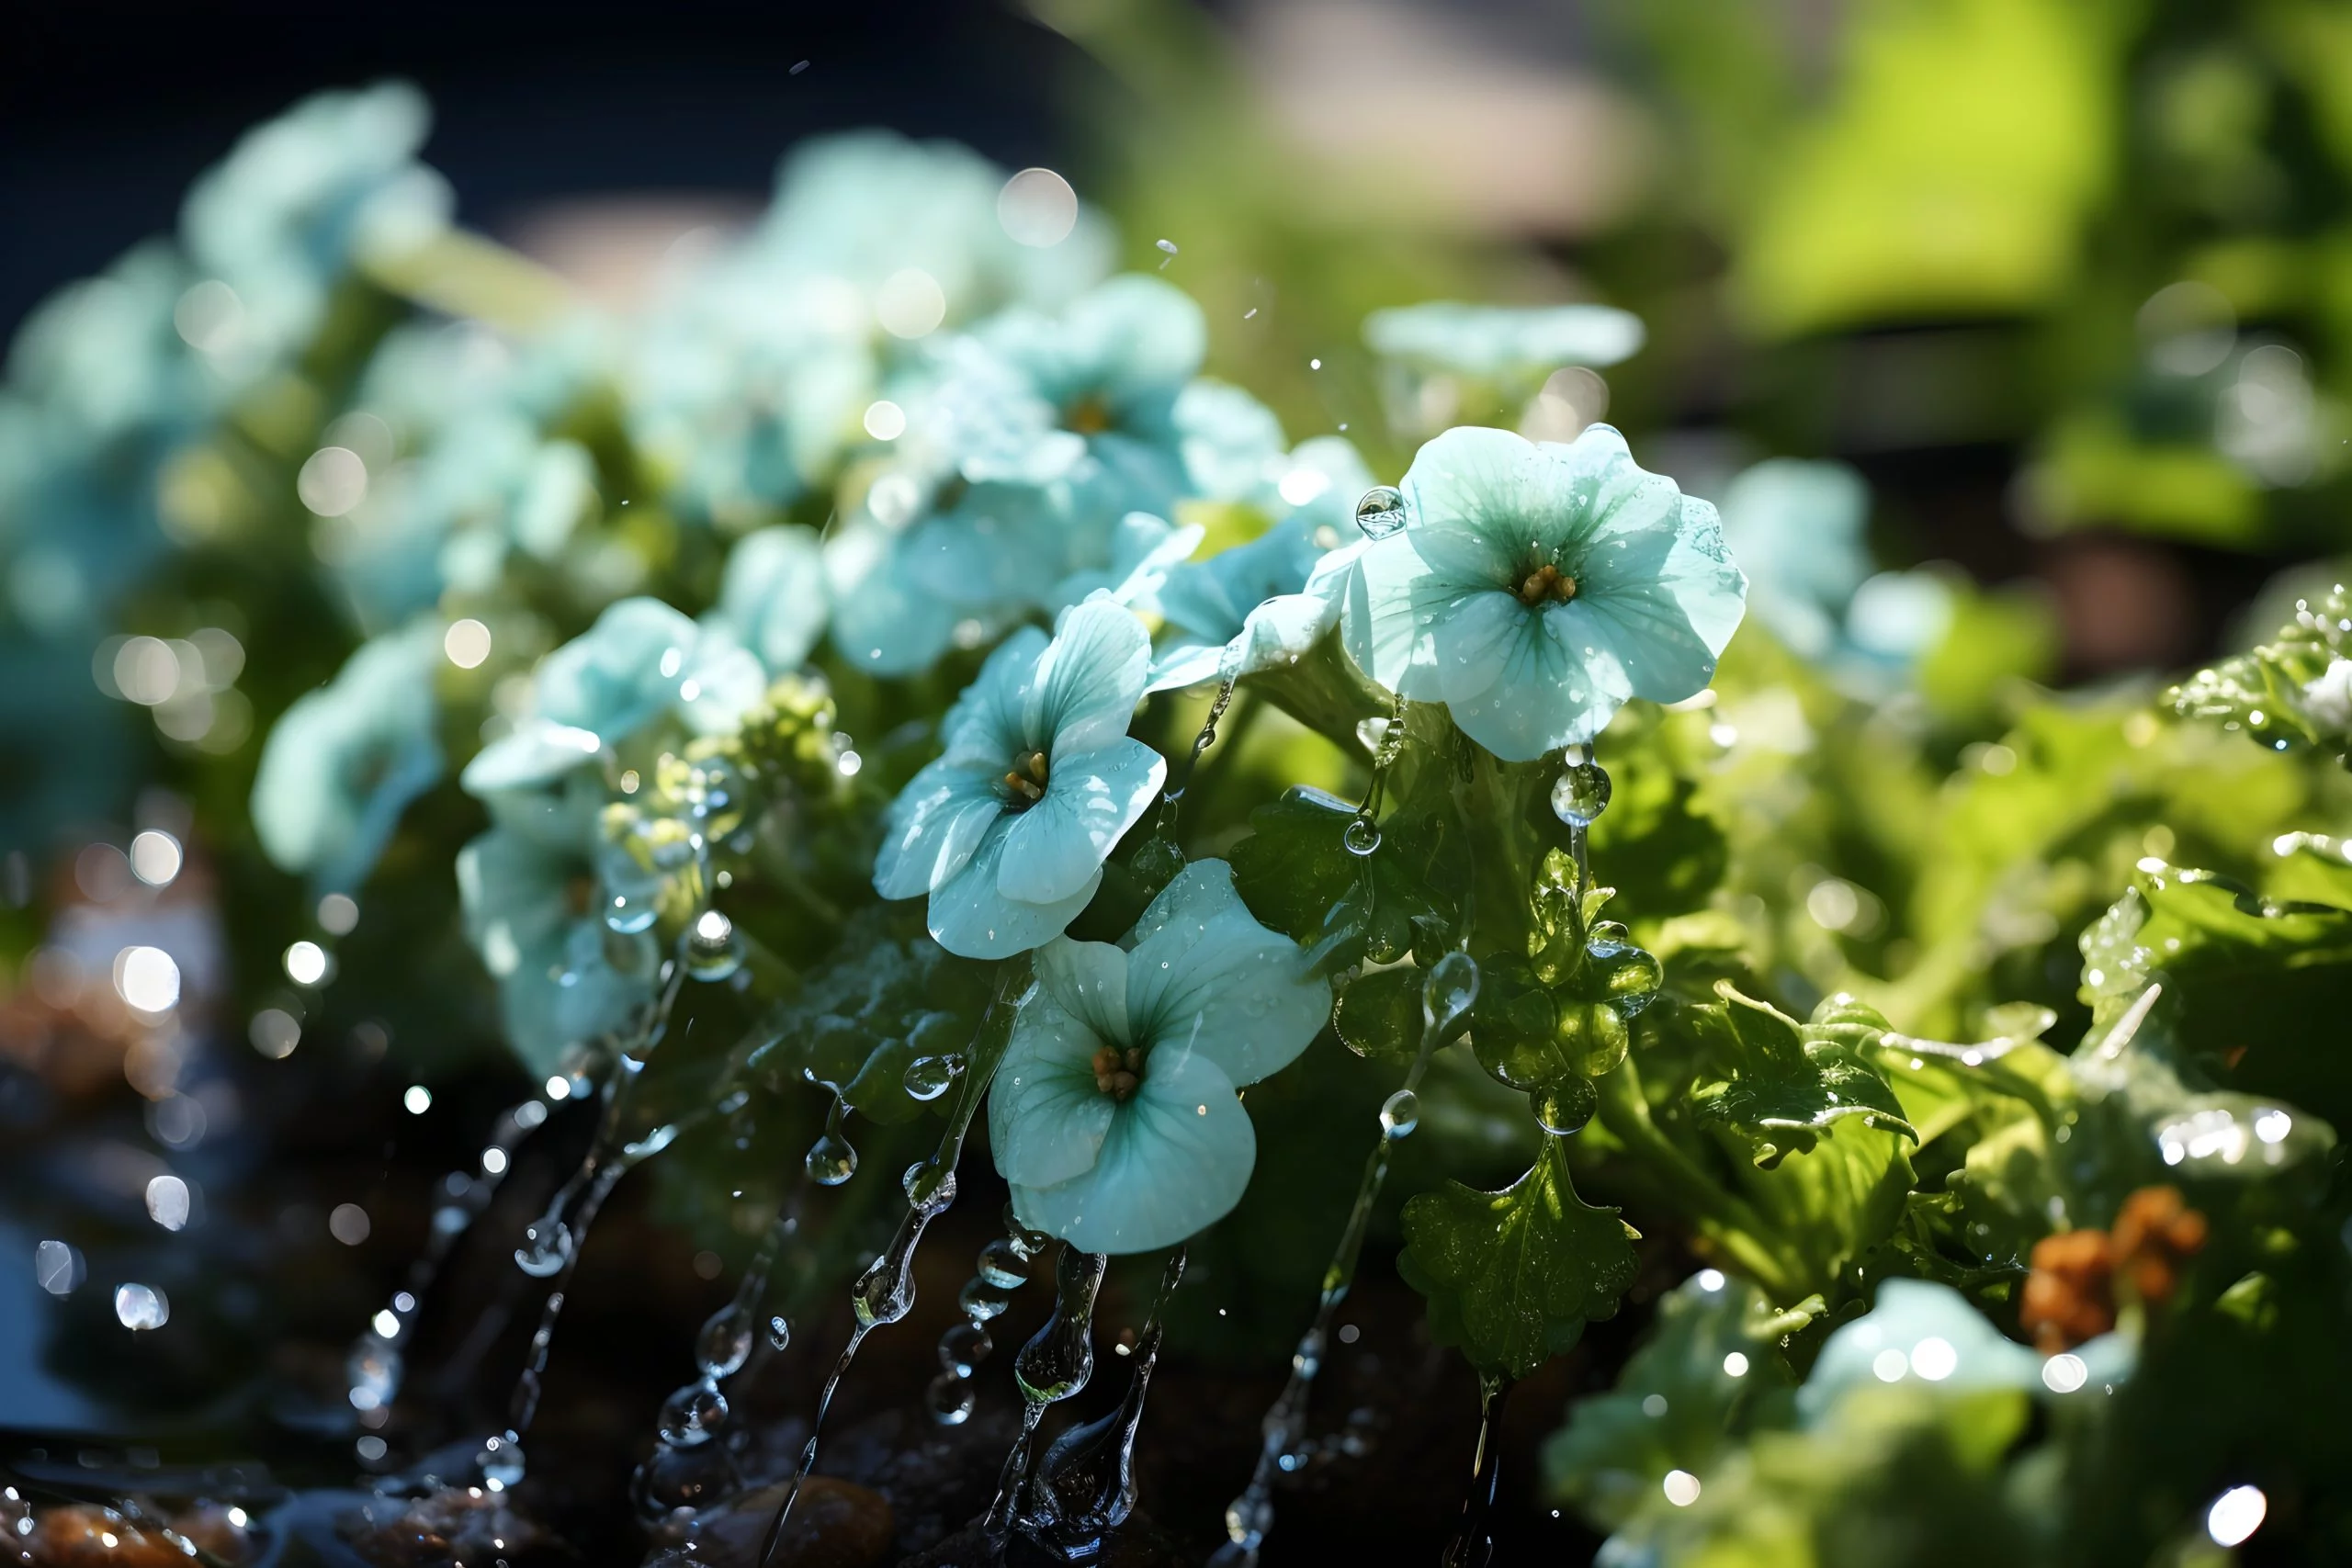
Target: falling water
{"x":1158,"y":858}
{"x":1085,"y":1486}
{"x":376,"y":1362}
{"x":885,"y":1292}
{"x":1363,"y":835}
{"x":1003,"y":1268}
{"x":1446,"y":998}
{"x":685,"y":1468}
{"x":1053,"y":1366}
{"x":551,"y":1243}
{"x":1473,"y":1544}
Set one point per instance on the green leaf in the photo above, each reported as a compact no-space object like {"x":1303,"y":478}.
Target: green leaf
{"x":1512,"y":1277}
{"x":1794,"y":1083}
{"x":1681,"y":1402}
{"x":1379,"y":1014}
{"x":2254,"y":991}
{"x":1294,"y":868}
{"x":2265,"y":692}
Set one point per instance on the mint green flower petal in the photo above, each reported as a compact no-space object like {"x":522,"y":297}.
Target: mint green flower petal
{"x":1088,"y":680}
{"x":1580,"y":693}
{"x":344,"y":761}
{"x":562,"y":976}
{"x":1205,"y":977}
{"x":1059,"y":844}
{"x":621,"y":672}
{"x":1086,"y":980}
{"x":774,"y":594}
{"x":970,"y":917}
{"x":1390,"y":632}
{"x":935,"y":825}
{"x":984,"y":726}
{"x":1672,"y":610}
{"x":1501,"y":340}
{"x":1478,"y":496}
{"x":535,"y":754}
{"x":1176,"y":1160}
{"x":1047,"y":1118}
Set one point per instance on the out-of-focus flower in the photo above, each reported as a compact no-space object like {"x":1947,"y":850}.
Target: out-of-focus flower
{"x":1537,"y":587}
{"x":1796,"y":528}
{"x":642,"y":661}
{"x":1114,"y":1116}
{"x":772,"y":597}
{"x":1007,"y":832}
{"x":301,"y":198}
{"x":1502,"y":343}
{"x":533,"y":911}
{"x":1246,"y":608}
{"x":343,"y":762}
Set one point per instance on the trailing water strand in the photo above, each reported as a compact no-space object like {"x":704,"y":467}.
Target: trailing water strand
{"x":1473,"y":1542}
{"x":1003,"y":1268}
{"x":377,"y":1363}
{"x":1446,"y":998}
{"x":885,"y":1292}
{"x":681,"y":1469}
{"x":552,"y":1244}
{"x":1055,"y":1365}
{"x":1085,"y":1486}
{"x":1362,"y":834}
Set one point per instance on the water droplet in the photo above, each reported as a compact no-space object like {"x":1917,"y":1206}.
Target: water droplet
{"x":1361,"y":836}
{"x":952,"y":1399}
{"x":1401,"y":1113}
{"x":832,"y":1160}
{"x":1565,"y":1106}
{"x":1450,"y":992}
{"x":928,"y":1077}
{"x":964,"y":1347}
{"x":629,"y":915}
{"x":724,"y":1342}
{"x":982,"y":1300}
{"x":1002,"y":1266}
{"x":690,"y":1416}
{"x":1381,"y":511}
{"x":1581,"y":794}
{"x":713,"y":950}
{"x":547,"y":1246}
{"x":779,"y":1333}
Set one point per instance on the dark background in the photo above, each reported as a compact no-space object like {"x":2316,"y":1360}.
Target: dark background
{"x":108,"y":110}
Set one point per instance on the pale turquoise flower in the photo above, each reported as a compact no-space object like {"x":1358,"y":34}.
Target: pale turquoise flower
{"x":343,"y":762}
{"x":772,"y":597}
{"x":1113,"y":1114}
{"x":300,"y":196}
{"x":1007,"y":831}
{"x":1535,"y":588}
{"x":1502,"y":342}
{"x":533,"y":910}
{"x":1796,"y":528}
{"x":1113,"y":365}
{"x":866,"y":206}
{"x":1249,"y":607}
{"x":641,"y":662}
{"x":1926,"y":1334}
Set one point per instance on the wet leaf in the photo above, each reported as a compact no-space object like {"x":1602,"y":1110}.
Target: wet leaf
{"x":1380,"y":1014}
{"x":1512,"y":1277}
{"x":1792,"y":1084}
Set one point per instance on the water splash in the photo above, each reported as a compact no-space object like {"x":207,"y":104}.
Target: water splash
{"x":1055,"y":1365}
{"x":885,"y":1292}
{"x":377,"y":1363}
{"x":1472,"y":1544}
{"x":1085,"y":1486}
{"x":687,"y":1469}
{"x":551,"y":1243}
{"x":1447,"y":996}
{"x":1003,"y":1268}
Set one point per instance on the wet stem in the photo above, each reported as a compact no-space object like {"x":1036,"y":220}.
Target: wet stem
{"x":1724,"y":1218}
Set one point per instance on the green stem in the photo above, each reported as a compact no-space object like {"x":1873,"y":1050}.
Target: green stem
{"x":465,"y":275}
{"x":1722,"y":1217}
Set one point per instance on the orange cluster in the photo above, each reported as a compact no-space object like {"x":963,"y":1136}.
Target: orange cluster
{"x":2070,"y":1295}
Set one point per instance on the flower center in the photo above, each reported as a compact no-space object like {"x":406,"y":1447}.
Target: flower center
{"x":1118,"y":1073}
{"x":1548,"y":584}
{"x":1089,"y":415}
{"x":1025,"y":783}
